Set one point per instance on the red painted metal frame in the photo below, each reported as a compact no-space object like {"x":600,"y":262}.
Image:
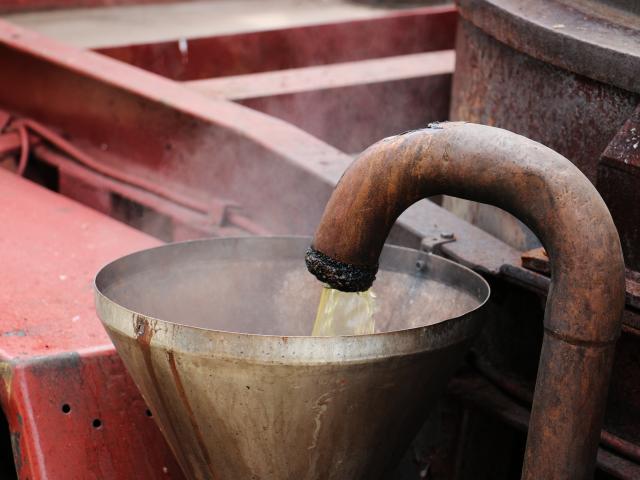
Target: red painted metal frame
{"x":72,"y":409}
{"x":415,"y":88}
{"x":400,"y":33}
{"x":150,"y":126}
{"x":348,"y":50}
{"x":132,"y":120}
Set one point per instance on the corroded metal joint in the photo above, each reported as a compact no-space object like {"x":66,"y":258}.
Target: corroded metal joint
{"x":340,"y":275}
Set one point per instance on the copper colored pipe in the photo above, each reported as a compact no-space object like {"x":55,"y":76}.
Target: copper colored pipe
{"x":548,"y":193}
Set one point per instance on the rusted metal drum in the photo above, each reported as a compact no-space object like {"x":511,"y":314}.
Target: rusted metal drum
{"x":562,"y":73}
{"x":215,"y":333}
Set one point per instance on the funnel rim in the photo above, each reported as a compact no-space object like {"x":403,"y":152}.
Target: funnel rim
{"x":293,"y":348}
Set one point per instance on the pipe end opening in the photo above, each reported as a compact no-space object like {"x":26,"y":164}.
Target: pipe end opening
{"x":339,"y":275}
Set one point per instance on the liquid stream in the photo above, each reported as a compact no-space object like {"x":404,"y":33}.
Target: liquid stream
{"x":345,"y":313}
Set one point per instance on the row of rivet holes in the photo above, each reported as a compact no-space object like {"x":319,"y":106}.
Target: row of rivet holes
{"x":97,"y":423}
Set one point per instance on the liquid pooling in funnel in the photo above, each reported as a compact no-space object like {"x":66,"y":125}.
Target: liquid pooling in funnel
{"x":345,"y":313}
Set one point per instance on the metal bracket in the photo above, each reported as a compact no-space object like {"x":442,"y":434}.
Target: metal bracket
{"x":433,"y":243}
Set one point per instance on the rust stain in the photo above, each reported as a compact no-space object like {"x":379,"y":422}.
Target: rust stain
{"x":6,"y":375}
{"x":144,"y":334}
{"x":192,"y":419}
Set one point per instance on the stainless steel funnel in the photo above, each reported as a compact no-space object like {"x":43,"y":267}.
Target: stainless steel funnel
{"x":214,"y":333}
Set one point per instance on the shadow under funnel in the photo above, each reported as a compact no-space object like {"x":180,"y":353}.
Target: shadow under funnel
{"x":215,"y":335}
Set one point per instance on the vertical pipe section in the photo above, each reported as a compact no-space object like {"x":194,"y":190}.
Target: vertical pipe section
{"x":550,"y":195}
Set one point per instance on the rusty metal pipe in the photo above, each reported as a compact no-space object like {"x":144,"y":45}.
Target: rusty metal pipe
{"x":550,"y":195}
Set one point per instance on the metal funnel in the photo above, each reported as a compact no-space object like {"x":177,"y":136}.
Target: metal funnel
{"x":214,"y":334}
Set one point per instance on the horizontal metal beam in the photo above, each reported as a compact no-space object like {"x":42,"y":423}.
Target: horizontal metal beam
{"x":375,"y":98}
{"x":324,"y":77}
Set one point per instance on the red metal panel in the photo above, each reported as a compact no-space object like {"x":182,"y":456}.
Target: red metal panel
{"x":415,"y":89}
{"x":326,"y":77}
{"x":50,"y":248}
{"x":399,"y":33}
{"x":73,"y":411}
{"x":371,"y":111}
{"x":79,"y":416}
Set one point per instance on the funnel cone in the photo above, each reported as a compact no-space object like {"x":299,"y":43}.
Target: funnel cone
{"x":214,"y":334}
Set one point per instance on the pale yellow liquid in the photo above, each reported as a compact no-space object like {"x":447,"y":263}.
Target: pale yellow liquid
{"x":345,"y":313}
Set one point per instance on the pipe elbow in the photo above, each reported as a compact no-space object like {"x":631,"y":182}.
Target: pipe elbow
{"x":549,"y":194}
{"x":490,"y":165}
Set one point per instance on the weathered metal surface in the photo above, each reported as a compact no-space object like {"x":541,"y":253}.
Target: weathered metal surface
{"x":269,"y":401}
{"x":583,"y":314}
{"x":214,"y":146}
{"x":536,"y":260}
{"x":578,"y":114}
{"x":79,"y":415}
{"x":496,"y":85}
{"x":619,"y":182}
{"x":203,"y":149}
{"x":132,"y":113}
{"x":82,"y":178}
{"x":67,"y":398}
{"x":415,"y":89}
{"x":507,"y":354}
{"x":324,"y":77}
{"x":472,"y":247}
{"x":532,"y":281}
{"x":501,"y":359}
{"x":584,"y":37}
{"x":399,"y":33}
{"x":132,"y":92}
{"x":492,"y":220}
{"x":56,"y":244}
{"x":633,"y":289}
{"x":475,"y":391}
{"x":619,"y":432}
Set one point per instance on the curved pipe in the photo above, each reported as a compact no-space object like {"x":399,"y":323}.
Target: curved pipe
{"x":550,"y":195}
